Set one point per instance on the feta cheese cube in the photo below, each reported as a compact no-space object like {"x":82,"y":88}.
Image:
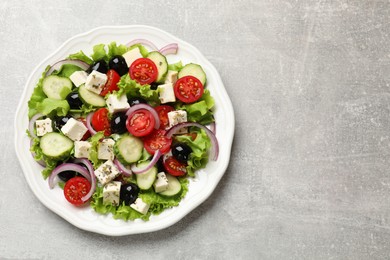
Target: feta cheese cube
{"x":132,"y":55}
{"x":81,"y":149}
{"x":171,"y":77}
{"x":78,"y":77}
{"x":161,"y":182}
{"x":176,"y":117}
{"x":111,"y":193}
{"x":166,"y":93}
{"x":95,"y":81}
{"x":43,"y":126}
{"x":106,"y":149}
{"x":140,"y":206}
{"x":116,"y":104}
{"x":74,"y":129}
{"x":106,"y":172}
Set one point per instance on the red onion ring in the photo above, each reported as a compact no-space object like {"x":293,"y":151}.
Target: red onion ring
{"x":31,"y":124}
{"x":143,"y":42}
{"x":68,"y":167}
{"x":56,"y":66}
{"x":214,"y":142}
{"x":213,"y":128}
{"x":147,"y":107}
{"x":169,"y":49}
{"x":154,"y":160}
{"x":89,"y":125}
{"x":125,"y":171}
{"x":89,"y":166}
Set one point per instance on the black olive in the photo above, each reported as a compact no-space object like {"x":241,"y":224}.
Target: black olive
{"x":181,"y":152}
{"x":118,"y":123}
{"x":136,"y":100}
{"x":74,"y":100}
{"x":153,"y":86}
{"x":129,"y":193}
{"x":118,"y":63}
{"x":66,"y":175}
{"x":100,"y":66}
{"x":160,"y":165}
{"x":60,"y":121}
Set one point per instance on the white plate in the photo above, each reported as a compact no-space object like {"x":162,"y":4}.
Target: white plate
{"x":200,"y":187}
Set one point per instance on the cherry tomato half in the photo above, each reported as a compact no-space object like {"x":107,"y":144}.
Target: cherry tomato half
{"x":140,"y":123}
{"x":157,"y":141}
{"x":76,"y":188}
{"x":162,"y":112}
{"x":188,"y":89}
{"x":111,"y":84}
{"x":174,"y":167}
{"x":101,"y":122}
{"x":143,"y":70}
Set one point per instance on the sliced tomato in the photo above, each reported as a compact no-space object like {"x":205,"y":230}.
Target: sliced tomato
{"x":111,"y":84}
{"x":143,"y":70}
{"x":87,"y":134}
{"x":76,"y":188}
{"x":157,"y":141}
{"x":174,"y":167}
{"x":101,"y":122}
{"x":140,"y":123}
{"x":162,"y":112}
{"x":188,"y":89}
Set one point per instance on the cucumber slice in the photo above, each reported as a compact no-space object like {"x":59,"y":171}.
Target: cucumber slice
{"x":56,"y":145}
{"x":56,"y":87}
{"x":195,"y":70}
{"x":145,"y":180}
{"x":161,"y":64}
{"x":128,"y":149}
{"x":91,"y":98}
{"x":174,"y":186}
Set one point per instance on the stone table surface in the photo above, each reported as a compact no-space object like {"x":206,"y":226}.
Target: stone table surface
{"x":309,"y":171}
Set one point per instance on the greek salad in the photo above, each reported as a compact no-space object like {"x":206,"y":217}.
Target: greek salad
{"x":122,"y":130}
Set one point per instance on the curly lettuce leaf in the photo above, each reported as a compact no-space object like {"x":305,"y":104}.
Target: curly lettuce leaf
{"x":99,"y":53}
{"x":115,"y":50}
{"x":158,"y":203}
{"x":200,"y":145}
{"x":66,"y":70}
{"x":199,"y":111}
{"x":133,"y":89}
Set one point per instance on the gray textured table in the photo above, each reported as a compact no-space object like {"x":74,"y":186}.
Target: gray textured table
{"x":309,"y":172}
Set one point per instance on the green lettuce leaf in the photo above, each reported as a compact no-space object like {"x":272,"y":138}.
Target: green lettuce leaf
{"x":199,"y":111}
{"x":200,"y":146}
{"x":52,"y":107}
{"x":93,"y":153}
{"x":175,"y":66}
{"x":99,"y":53}
{"x":133,"y":89}
{"x":66,"y":70}
{"x":115,"y":50}
{"x":81,"y":56}
{"x":37,"y":96}
{"x":144,"y":52}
